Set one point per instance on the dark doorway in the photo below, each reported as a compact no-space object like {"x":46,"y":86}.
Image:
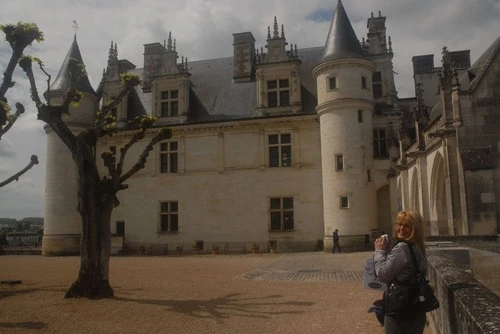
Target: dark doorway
{"x":120,"y":228}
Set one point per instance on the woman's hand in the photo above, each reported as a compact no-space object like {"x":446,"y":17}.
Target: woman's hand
{"x":382,"y":243}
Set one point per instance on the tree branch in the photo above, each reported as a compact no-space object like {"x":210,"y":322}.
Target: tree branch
{"x":15,"y":177}
{"x":12,"y":120}
{"x":164,"y":134}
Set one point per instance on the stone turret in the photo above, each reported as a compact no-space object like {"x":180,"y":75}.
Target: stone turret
{"x":62,"y":226}
{"x":345,"y":109}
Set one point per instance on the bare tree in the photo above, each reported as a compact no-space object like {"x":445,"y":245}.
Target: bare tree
{"x":96,"y":194}
{"x":7,"y":119}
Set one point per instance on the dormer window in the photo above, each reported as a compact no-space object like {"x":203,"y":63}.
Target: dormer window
{"x":278,"y":93}
{"x":169,"y":102}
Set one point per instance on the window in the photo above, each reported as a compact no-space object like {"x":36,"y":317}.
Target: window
{"x":281,"y":213}
{"x":280,"y":150}
{"x":278,"y":93}
{"x":332,"y":82}
{"x":360,"y":116}
{"x":169,"y":217}
{"x":344,"y":202}
{"x":169,"y":102}
{"x":168,"y":157}
{"x":377,"y":84}
{"x":380,"y":143}
{"x":369,"y":174}
{"x":339,"y":162}
{"x":363,"y":82}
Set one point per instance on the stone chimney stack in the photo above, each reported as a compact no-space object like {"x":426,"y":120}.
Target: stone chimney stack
{"x":153,"y":54}
{"x":244,"y":57}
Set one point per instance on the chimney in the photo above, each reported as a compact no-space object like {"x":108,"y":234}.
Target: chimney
{"x":244,"y":57}
{"x":152,"y":62}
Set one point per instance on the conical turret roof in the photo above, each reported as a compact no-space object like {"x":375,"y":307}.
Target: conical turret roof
{"x":341,"y":41}
{"x":64,"y":79}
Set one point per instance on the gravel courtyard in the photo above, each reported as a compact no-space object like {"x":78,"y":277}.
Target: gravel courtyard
{"x":251,"y":293}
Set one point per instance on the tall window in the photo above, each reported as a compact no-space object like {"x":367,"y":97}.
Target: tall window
{"x":344,"y":202}
{"x":339,"y":162}
{"x":278,"y":93}
{"x":280,"y":150}
{"x":377,"y":84}
{"x":332,"y":83}
{"x":169,"y":102}
{"x":169,"y":216}
{"x":380,"y":143}
{"x":168,"y":157}
{"x":363,"y":82}
{"x":281,"y":213}
{"x":360,"y":116}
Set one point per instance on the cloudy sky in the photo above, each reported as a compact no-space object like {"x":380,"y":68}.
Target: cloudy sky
{"x":203,"y":29}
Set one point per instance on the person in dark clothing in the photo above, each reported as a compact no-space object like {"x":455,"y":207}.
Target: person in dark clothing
{"x":336,"y":244}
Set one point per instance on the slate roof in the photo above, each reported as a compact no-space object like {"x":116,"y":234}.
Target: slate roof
{"x":64,"y":79}
{"x":214,"y":95}
{"x":470,"y":79}
{"x":342,"y":41}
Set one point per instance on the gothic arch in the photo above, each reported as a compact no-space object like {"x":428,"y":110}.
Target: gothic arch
{"x":415,"y":192}
{"x":438,"y":200}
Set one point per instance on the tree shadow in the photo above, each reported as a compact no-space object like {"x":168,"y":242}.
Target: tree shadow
{"x":6,"y":293}
{"x":24,"y":325}
{"x":226,"y":306}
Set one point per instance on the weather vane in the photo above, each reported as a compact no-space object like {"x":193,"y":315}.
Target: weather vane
{"x":75,"y":25}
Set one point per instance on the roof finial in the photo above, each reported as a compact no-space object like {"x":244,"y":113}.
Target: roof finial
{"x":75,"y":26}
{"x":379,"y":14}
{"x":169,"y":45}
{"x":275,"y":33}
{"x":268,"y":32}
{"x":282,"y":32}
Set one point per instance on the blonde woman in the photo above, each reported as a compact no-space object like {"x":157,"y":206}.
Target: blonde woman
{"x":393,"y":263}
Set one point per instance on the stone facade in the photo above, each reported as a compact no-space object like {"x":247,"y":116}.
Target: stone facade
{"x":286,"y":145}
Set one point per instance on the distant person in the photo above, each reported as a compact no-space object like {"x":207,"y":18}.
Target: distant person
{"x":336,"y":244}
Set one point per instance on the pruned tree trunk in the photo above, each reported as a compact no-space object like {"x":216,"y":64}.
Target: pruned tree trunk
{"x":95,"y":206}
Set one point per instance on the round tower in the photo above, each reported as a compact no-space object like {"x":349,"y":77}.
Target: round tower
{"x":62,"y":223}
{"x":345,"y":109}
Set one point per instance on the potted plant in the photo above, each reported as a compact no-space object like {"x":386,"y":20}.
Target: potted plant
{"x":255,"y":247}
{"x":215,"y":249}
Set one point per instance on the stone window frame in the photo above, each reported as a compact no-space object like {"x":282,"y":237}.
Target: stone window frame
{"x":377,"y":85}
{"x":280,"y":150}
{"x":380,"y":143}
{"x":344,"y":202}
{"x":339,"y":162}
{"x":168,"y":157}
{"x":169,"y":103}
{"x":168,"y":221}
{"x":281,"y":89}
{"x":281,"y":214}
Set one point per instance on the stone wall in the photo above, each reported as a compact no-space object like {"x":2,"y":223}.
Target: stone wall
{"x":466,"y":305}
